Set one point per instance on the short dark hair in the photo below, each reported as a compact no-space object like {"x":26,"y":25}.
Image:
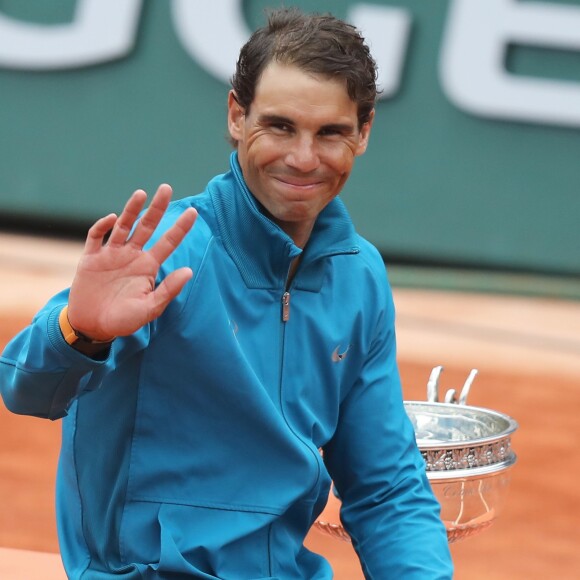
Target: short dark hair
{"x":316,"y":43}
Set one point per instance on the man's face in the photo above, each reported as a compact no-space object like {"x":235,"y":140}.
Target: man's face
{"x":297,"y":144}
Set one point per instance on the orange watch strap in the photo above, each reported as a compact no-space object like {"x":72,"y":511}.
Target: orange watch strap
{"x":72,"y":336}
{"x":68,"y":332}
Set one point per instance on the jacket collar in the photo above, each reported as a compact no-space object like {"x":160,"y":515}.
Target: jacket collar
{"x":243,"y":227}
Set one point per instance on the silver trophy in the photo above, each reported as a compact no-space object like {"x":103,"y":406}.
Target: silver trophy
{"x":468,"y":457}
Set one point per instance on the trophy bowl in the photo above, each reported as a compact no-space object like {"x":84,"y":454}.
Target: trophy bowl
{"x":468,"y":458}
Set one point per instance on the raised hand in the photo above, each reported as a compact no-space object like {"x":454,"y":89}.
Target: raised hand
{"x":113,"y":292}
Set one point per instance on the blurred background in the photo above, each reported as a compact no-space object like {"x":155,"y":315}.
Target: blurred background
{"x":470,"y":189}
{"x":474,"y":153}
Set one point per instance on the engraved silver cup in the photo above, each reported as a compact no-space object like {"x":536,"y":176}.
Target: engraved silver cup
{"x":468,"y":458}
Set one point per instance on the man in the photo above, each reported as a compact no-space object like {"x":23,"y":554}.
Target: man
{"x":199,"y":378}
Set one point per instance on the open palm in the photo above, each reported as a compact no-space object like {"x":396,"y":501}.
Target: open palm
{"x":113,"y":292}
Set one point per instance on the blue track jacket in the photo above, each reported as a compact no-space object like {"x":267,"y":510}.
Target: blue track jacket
{"x":193,"y":449}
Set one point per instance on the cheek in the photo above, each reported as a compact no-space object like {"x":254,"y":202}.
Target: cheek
{"x":342,"y":161}
{"x":262,"y":152}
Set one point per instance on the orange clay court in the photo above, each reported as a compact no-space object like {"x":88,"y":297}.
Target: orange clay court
{"x":527,"y":351}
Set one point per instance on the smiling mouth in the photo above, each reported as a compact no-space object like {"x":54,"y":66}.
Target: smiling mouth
{"x":298,"y":183}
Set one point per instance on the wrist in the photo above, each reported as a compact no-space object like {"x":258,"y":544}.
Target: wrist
{"x":77,"y":339}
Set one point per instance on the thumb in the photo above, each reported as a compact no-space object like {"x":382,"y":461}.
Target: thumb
{"x":169,"y":288}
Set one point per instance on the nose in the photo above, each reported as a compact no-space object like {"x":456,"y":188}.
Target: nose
{"x":303,"y":154}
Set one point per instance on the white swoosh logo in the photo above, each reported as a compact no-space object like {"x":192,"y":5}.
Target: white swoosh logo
{"x":339,"y":356}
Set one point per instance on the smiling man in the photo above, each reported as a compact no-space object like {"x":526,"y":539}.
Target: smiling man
{"x":195,"y":395}
{"x":297,"y":143}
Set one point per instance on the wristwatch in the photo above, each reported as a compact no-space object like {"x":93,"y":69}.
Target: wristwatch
{"x":77,"y":339}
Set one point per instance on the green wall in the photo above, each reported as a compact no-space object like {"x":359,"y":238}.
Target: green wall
{"x":438,"y":183}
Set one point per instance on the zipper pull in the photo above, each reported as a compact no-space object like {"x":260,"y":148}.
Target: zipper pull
{"x":285,"y":306}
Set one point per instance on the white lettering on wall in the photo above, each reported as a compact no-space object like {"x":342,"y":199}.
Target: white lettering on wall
{"x":473,"y":73}
{"x":101,"y":30}
{"x":386,"y":29}
{"x":472,"y":65}
{"x":212,"y":33}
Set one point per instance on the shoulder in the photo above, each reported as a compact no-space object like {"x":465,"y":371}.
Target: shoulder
{"x":369,"y":253}
{"x":370,"y":262}
{"x":373,"y":278}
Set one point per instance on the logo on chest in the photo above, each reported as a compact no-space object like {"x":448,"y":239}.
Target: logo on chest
{"x":338,"y":355}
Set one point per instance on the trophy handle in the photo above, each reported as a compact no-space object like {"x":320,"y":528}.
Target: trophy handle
{"x":451,"y":394}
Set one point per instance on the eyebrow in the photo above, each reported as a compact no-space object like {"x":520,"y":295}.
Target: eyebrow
{"x":279,"y":119}
{"x":275,"y":119}
{"x":339,"y":127}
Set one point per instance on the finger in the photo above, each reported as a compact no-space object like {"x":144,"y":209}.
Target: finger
{"x":174,"y":235}
{"x":127,"y":219}
{"x":169,"y":288}
{"x":151,"y":218}
{"x":97,"y":233}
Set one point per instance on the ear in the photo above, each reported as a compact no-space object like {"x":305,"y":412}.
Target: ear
{"x":236,"y":117}
{"x":365,"y":133}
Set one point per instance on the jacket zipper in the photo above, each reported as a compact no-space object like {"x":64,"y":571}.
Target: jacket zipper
{"x":289,"y":278}
{"x":286,"y":306}
{"x":285,"y":318}
{"x":286,"y":296}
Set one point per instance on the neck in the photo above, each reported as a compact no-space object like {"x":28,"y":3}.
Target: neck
{"x":293,"y":269}
{"x":298,"y":231}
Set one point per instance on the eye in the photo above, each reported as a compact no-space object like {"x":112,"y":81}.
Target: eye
{"x":280,"y":127}
{"x":330,"y":132}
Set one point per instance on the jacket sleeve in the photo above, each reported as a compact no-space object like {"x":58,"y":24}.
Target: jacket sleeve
{"x":41,"y":375}
{"x":388,"y":506}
